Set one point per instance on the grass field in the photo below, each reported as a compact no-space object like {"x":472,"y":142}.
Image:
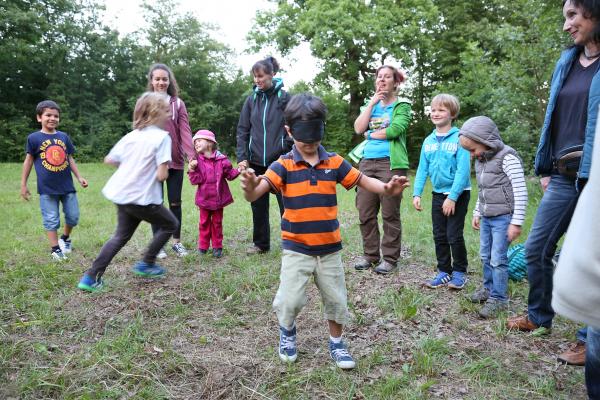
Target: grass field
{"x":206,"y":330}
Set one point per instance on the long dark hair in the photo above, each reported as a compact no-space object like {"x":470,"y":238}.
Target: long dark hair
{"x":591,"y":10}
{"x":173,"y":89}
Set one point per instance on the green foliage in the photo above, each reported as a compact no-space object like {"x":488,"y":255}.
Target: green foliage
{"x":496,"y":56}
{"x":95,"y":75}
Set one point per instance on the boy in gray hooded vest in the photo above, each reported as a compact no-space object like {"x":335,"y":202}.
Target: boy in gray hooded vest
{"x":500,"y":209}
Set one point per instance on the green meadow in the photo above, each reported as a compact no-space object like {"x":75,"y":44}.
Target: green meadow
{"x":206,"y":330}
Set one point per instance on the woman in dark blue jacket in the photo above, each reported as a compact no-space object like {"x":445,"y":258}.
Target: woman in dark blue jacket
{"x":261,"y":139}
{"x":563,"y":161}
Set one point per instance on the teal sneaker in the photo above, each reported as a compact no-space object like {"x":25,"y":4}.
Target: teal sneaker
{"x":148,"y":270}
{"x":89,"y":284}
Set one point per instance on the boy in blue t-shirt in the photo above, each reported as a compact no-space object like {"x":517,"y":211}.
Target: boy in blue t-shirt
{"x":448,"y":166}
{"x":51,"y":152}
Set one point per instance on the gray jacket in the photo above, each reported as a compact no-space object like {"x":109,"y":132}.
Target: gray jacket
{"x":495,"y":189}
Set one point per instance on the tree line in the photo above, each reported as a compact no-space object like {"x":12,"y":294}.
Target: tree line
{"x":497,"y":56}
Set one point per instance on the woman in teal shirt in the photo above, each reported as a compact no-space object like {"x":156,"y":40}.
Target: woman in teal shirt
{"x":384,"y":122}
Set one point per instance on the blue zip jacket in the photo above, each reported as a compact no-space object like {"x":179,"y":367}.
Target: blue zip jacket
{"x":446,"y":163}
{"x":543,"y":157}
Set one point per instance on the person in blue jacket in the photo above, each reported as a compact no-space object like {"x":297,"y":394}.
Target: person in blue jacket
{"x":448,"y":166}
{"x":563,"y":161}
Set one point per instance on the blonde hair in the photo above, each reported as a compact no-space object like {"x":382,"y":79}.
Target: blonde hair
{"x":450,"y":102}
{"x":150,"y":109}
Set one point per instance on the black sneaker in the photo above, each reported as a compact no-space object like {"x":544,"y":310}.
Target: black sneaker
{"x":217,"y":253}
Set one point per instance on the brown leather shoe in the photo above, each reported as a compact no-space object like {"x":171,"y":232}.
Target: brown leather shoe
{"x":521,"y":323}
{"x":575,"y":355}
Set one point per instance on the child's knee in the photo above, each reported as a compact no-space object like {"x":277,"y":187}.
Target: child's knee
{"x":50,"y":216}
{"x":71,"y":209}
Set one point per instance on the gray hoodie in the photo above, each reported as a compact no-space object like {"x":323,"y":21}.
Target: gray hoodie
{"x":495,"y":188}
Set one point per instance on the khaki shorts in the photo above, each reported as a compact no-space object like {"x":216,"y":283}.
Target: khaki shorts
{"x":296,"y":270}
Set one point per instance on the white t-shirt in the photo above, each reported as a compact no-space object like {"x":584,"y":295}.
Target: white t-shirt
{"x":139,"y":153}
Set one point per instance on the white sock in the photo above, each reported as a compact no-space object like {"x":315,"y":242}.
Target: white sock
{"x":335,"y":340}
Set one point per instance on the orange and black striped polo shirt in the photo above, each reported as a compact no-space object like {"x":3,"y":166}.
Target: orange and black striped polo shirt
{"x":309,"y":224}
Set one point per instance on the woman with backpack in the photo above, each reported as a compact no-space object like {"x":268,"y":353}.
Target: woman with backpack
{"x":161,"y":79}
{"x":261,"y":139}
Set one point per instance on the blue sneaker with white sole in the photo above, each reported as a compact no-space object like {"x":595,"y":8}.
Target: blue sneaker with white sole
{"x":148,"y":270}
{"x":287,"y":344}
{"x":339,"y":353}
{"x":458,"y":281}
{"x":440,"y":280}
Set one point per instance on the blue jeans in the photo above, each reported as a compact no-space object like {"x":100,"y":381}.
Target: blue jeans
{"x":551,"y":222}
{"x":493,"y":246}
{"x":50,"y":213}
{"x":592,"y":363}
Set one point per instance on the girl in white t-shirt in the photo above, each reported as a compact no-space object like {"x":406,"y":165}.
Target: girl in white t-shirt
{"x":141,"y":157}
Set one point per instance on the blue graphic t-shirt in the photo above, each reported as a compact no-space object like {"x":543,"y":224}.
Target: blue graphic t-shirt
{"x":51,"y":160}
{"x":380,"y":119}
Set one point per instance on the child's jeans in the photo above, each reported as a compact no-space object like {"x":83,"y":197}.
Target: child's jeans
{"x":296,"y":271}
{"x":210,"y":228}
{"x":129,"y":217}
{"x":592,"y":363}
{"x":50,"y":211}
{"x":493,"y":246}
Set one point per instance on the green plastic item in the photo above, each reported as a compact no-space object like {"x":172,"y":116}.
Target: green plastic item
{"x":356,"y":154}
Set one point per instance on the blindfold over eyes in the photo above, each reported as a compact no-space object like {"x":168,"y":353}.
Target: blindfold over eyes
{"x":308,"y":131}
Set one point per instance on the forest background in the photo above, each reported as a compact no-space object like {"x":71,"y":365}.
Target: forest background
{"x":497,"y":56}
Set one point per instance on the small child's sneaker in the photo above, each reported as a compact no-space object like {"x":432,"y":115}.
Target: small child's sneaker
{"x":440,"y":280}
{"x":287,"y":344}
{"x":339,"y":354}
{"x":148,"y":270}
{"x":90,"y":284}
{"x":162,"y":254}
{"x":458,"y":280}
{"x":65,"y":246}
{"x":179,"y":249}
{"x":217,"y":253}
{"x":202,"y":251}
{"x":58,"y":255}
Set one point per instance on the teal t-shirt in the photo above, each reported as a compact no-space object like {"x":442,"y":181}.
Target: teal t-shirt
{"x":381,"y":118}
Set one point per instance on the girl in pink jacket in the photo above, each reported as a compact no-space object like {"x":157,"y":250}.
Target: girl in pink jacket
{"x":210,"y":170}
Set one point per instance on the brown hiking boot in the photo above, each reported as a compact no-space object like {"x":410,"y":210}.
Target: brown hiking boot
{"x":575,"y":355}
{"x":521,"y":323}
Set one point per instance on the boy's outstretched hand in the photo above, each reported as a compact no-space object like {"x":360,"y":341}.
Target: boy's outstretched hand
{"x":396,"y":185}
{"x":248,"y":180}
{"x":83,"y":182}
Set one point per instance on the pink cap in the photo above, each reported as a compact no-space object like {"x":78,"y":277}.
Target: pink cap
{"x":204,"y":134}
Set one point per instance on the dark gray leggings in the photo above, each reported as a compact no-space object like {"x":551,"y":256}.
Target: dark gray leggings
{"x":129,"y":217}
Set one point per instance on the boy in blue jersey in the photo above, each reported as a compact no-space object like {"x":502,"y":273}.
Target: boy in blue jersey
{"x":51,"y":152}
{"x":448,"y":167}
